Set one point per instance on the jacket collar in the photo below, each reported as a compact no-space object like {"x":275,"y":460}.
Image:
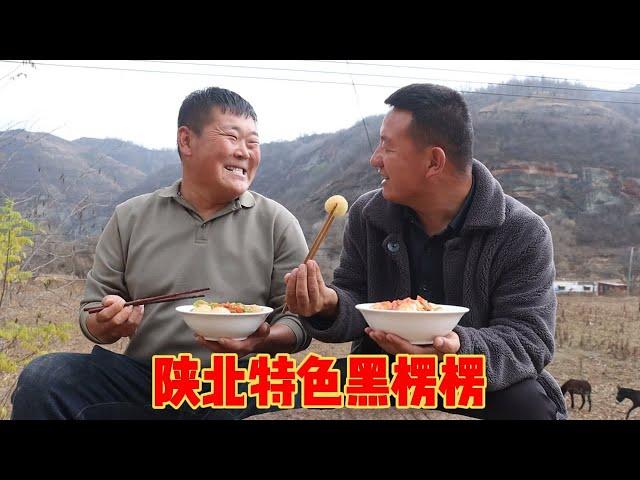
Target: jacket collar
{"x":487,"y":210}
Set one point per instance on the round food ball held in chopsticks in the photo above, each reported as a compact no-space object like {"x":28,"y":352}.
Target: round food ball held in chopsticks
{"x":336,"y":204}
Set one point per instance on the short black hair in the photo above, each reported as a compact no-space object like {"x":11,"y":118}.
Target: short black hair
{"x":440,"y":116}
{"x":196,"y":108}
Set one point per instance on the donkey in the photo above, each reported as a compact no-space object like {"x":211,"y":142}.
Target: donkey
{"x":631,"y":394}
{"x":579,"y":387}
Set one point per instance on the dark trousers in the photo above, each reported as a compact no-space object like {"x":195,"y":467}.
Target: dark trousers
{"x":101,"y":385}
{"x":526,"y":400}
{"x":110,"y":386}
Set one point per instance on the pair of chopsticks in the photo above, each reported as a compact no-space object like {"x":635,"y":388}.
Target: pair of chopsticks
{"x":322,"y":234}
{"x":315,"y":246}
{"x":170,"y":297}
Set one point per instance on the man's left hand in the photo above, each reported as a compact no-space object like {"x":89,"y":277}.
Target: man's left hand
{"x":251,"y":344}
{"x":394,"y":344}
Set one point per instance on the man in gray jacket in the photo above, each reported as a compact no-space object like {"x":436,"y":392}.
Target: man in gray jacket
{"x":205,"y":230}
{"x":441,"y":227}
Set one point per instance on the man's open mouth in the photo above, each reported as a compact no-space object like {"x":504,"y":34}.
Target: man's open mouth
{"x":237,"y":170}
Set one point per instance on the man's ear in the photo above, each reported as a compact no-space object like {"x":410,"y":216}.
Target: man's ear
{"x":436,"y":160}
{"x":184,"y":140}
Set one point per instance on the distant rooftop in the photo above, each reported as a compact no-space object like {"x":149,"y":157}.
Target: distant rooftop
{"x":615,"y":283}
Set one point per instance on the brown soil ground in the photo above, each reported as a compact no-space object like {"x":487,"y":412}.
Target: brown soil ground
{"x":598,"y":339}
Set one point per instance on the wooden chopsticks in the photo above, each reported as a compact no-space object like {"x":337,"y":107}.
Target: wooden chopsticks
{"x":322,"y":234}
{"x":170,"y":297}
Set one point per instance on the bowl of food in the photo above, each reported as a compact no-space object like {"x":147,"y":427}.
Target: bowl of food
{"x":215,"y":320}
{"x":417,"y":321}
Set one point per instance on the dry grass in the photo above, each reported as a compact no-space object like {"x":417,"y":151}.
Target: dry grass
{"x":47,"y":299}
{"x":598,"y":339}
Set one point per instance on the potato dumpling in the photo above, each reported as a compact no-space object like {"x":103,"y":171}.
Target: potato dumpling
{"x":202,"y":308}
{"x":340,"y":204}
{"x":220,"y":310}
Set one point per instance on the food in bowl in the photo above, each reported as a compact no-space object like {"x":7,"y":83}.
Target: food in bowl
{"x":407,"y":305}
{"x":410,"y":319}
{"x":213,"y":320}
{"x":201,"y":306}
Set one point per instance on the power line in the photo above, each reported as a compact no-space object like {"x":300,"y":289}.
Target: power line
{"x":578,"y":89}
{"x":91,"y":67}
{"x":471,"y":71}
{"x":94,"y":67}
{"x":366,"y":130}
{"x":610,"y":67}
{"x":5,"y":76}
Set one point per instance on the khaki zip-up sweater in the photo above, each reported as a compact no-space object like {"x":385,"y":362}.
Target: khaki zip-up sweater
{"x":157,"y":243}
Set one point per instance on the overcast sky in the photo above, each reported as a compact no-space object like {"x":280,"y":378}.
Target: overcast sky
{"x":138,"y":101}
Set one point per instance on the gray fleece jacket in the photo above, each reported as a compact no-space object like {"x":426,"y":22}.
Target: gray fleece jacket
{"x":501,"y":268}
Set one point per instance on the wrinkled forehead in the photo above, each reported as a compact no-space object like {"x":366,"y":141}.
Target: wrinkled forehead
{"x":227,"y":118}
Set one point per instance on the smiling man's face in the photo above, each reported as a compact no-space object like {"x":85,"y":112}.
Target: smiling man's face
{"x":399,"y":161}
{"x":225,"y":155}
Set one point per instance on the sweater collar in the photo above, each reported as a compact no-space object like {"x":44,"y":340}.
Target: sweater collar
{"x":173,"y":191}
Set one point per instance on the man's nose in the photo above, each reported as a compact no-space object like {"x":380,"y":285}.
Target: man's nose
{"x":376,"y":159}
{"x":242,"y":151}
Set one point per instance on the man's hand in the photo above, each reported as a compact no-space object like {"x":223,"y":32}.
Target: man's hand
{"x":252,"y":344}
{"x":307,"y":294}
{"x":394,"y":344}
{"x":115,"y":321}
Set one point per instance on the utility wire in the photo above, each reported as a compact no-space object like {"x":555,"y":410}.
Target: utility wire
{"x":578,"y":65}
{"x":418,"y":67}
{"x":91,"y":67}
{"x":351,"y":74}
{"x":366,"y":131}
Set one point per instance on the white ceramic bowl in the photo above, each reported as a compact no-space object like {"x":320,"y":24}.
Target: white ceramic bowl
{"x":419,"y":328}
{"x":213,"y":326}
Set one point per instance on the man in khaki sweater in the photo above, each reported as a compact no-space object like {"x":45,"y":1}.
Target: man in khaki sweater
{"x":205,"y":230}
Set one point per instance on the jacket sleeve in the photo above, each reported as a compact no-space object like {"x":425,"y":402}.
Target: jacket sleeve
{"x":290,"y":250}
{"x":349,"y":282}
{"x":519,"y":341}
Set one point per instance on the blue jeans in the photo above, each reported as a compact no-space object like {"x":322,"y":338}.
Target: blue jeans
{"x":101,"y":385}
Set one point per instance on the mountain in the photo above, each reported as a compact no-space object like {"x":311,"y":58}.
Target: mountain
{"x":128,"y":153}
{"x":575,"y":162}
{"x":72,"y":185}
